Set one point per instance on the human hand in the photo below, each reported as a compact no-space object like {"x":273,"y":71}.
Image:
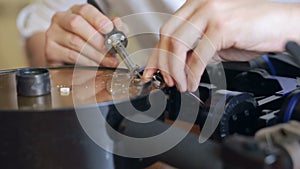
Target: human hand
{"x":231,"y":30}
{"x":76,"y":36}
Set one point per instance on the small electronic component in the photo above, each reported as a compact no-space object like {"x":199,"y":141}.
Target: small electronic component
{"x":64,"y":91}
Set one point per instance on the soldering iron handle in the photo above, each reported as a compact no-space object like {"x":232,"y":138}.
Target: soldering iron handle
{"x":113,"y":37}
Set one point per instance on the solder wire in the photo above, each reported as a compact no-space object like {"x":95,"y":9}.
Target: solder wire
{"x":197,"y":98}
{"x":158,"y":77}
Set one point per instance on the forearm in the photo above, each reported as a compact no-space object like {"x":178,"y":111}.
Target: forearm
{"x":35,"y":49}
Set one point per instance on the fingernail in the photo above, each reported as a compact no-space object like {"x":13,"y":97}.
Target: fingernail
{"x":181,"y":88}
{"x":192,"y":89}
{"x":106,"y":27}
{"x":118,"y":23}
{"x":166,"y":81}
{"x":178,"y":87}
{"x":146,"y":75}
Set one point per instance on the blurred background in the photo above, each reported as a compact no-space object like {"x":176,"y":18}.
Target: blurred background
{"x":12,"y":54}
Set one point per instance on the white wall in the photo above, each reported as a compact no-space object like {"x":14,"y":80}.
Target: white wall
{"x":11,"y":51}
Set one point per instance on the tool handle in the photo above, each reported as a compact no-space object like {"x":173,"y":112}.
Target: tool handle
{"x":114,"y":37}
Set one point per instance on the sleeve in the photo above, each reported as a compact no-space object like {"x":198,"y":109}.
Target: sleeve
{"x":37,"y":16}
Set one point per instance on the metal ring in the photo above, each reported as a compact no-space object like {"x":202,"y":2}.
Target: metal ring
{"x":33,"y":82}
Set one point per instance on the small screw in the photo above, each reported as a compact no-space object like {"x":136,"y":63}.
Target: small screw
{"x":234,"y":117}
{"x":270,"y":159}
{"x":246,"y":112}
{"x":64,"y":91}
{"x":109,"y":41}
{"x":122,"y":38}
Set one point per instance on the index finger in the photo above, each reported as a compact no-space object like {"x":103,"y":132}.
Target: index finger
{"x":93,"y":16}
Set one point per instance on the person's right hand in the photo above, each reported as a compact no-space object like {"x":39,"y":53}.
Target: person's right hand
{"x":75,"y":36}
